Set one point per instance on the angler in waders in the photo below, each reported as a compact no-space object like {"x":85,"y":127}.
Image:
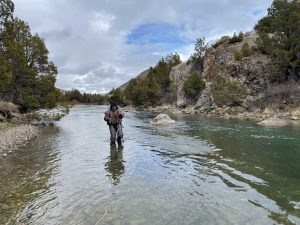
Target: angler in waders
{"x":114,"y":117}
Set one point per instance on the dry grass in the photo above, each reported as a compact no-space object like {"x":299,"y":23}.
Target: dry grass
{"x":5,"y":126}
{"x":296,"y":112}
{"x":279,"y":98}
{"x":9,"y":107}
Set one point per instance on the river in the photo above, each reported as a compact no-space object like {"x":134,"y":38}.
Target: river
{"x":198,"y":171}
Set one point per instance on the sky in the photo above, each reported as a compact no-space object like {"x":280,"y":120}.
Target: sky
{"x":98,"y":45}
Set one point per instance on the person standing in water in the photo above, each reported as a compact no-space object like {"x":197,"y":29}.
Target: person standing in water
{"x":114,"y":117}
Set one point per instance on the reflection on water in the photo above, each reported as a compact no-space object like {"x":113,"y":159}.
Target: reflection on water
{"x":115,"y":163}
{"x":197,"y":171}
{"x":25,"y":176}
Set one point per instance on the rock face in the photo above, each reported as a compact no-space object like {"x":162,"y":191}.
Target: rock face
{"x":250,"y":73}
{"x":162,"y":119}
{"x":178,"y":75}
{"x":233,"y":85}
{"x":206,"y":101}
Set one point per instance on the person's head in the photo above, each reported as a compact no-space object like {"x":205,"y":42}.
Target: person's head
{"x":113,"y":105}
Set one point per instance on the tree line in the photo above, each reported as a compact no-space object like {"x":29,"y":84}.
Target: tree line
{"x":156,"y":88}
{"x":27,"y":76}
{"x":75,"y":96}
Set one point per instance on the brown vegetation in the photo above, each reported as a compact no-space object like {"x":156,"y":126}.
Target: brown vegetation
{"x":8,"y":110}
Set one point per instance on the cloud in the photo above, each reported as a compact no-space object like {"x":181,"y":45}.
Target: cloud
{"x":99,"y":45}
{"x":57,"y":35}
{"x":101,"y":21}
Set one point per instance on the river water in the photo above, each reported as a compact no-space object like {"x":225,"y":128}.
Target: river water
{"x":197,"y":171}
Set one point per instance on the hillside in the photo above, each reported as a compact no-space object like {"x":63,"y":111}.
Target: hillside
{"x":232,"y":85}
{"x":254,"y":73}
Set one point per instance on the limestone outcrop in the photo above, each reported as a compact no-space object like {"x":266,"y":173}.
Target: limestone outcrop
{"x":178,"y":75}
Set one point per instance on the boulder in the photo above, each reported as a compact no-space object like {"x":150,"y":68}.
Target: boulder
{"x":162,"y":119}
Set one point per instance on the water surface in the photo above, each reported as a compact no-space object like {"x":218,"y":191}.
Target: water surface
{"x":197,"y":171}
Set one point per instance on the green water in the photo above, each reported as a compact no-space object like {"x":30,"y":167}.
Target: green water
{"x":197,"y":171}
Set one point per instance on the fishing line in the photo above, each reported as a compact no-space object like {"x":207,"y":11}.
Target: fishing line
{"x":101,"y":217}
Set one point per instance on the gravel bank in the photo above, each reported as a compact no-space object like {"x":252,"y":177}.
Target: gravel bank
{"x":13,"y":138}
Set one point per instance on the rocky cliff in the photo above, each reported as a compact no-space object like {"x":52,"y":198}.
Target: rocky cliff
{"x":178,"y":76}
{"x":230,"y":83}
{"x":238,"y":80}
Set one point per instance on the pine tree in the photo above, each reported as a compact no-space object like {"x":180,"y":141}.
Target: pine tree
{"x":280,"y":38}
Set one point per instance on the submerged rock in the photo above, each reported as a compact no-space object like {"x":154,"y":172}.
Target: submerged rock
{"x":274,"y":123}
{"x":162,"y":119}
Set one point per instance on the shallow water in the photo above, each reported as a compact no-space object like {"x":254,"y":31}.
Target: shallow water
{"x":197,"y":171}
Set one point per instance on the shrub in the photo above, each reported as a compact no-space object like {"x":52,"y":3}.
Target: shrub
{"x":246,"y":50}
{"x":8,"y":106}
{"x":227,"y":92}
{"x":237,"y":56}
{"x":51,"y":100}
{"x":30,"y":102}
{"x":223,"y":40}
{"x":280,"y":96}
{"x":193,"y":86}
{"x":236,"y":38}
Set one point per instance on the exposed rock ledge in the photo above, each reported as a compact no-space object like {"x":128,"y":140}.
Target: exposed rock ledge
{"x":13,"y":138}
{"x":275,"y":122}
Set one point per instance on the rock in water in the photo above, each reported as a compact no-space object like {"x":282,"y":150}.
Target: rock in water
{"x":162,"y":119}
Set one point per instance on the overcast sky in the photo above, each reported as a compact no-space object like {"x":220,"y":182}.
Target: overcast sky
{"x":100,"y":44}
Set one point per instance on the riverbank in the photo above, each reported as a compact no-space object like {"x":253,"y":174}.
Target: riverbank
{"x":282,"y":118}
{"x":12,"y":137}
{"x":17,"y":129}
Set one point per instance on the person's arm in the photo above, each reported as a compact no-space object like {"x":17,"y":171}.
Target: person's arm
{"x":107,"y":117}
{"x":121,"y":114}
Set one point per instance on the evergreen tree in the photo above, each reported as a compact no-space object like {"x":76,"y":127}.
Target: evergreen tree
{"x":280,"y":38}
{"x":153,"y":92}
{"x":27,"y":76}
{"x":197,"y":57}
{"x":193,"y":86}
